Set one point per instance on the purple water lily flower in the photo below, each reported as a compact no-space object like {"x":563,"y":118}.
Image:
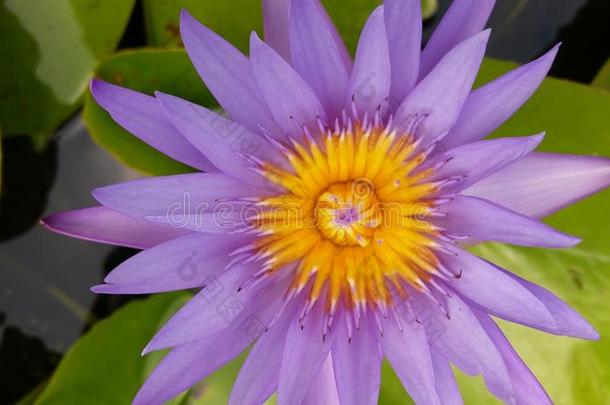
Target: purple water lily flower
{"x":329,"y":225}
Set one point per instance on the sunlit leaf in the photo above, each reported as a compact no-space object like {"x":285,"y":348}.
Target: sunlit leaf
{"x":49,"y":49}
{"x":573,"y":371}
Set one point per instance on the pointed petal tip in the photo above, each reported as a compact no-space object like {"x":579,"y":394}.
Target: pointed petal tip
{"x":56,"y":223}
{"x":539,"y":136}
{"x":483,"y":35}
{"x":48,"y":222}
{"x":186,"y":16}
{"x":592,"y":335}
{"x":378,"y":12}
{"x":572,"y":240}
{"x":553,"y":51}
{"x":94,"y":84}
{"x":99,"y":193}
{"x":584,"y":330}
{"x":580,"y":328}
{"x":157,"y":343}
{"x":163,"y":98}
{"x":97,"y":87}
{"x":101,"y":289}
{"x":255,"y":40}
{"x":190,"y":26}
{"x":548,"y":57}
{"x":481,"y":39}
{"x":536,"y":140}
{"x":53,"y":223}
{"x":154,"y":345}
{"x":148,"y":349}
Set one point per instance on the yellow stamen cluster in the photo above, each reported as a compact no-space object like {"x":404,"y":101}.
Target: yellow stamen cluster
{"x":353,"y":216}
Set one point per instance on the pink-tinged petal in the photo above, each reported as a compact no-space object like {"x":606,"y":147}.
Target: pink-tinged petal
{"x":323,"y":389}
{"x":470,"y":163}
{"x":276,"y":14}
{"x":187,"y":262}
{"x":408,"y":352}
{"x":226,"y":143}
{"x":369,"y":86}
{"x":444,"y":381}
{"x":464,"y":19}
{"x":543,"y":183}
{"x":568,"y":322}
{"x":357,"y":364}
{"x":228,"y":75}
{"x":175,"y":197}
{"x":305,"y":351}
{"x":260,"y":374}
{"x":404,"y":30}
{"x":489,"y":106}
{"x":292,"y":102}
{"x":143,"y":116}
{"x":318,"y":53}
{"x":218,"y":305}
{"x":460,"y":338}
{"x":486,"y":221}
{"x":186,"y":365}
{"x":100,"y":224}
{"x":491,"y":289}
{"x":435,"y":103}
{"x":528,"y":390}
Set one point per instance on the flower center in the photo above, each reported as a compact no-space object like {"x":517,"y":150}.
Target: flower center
{"x":354,"y":217}
{"x":348,"y":213}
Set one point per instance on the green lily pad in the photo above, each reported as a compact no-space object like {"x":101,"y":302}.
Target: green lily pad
{"x":234,"y":20}
{"x":49,"y":50}
{"x":169,"y":71}
{"x":602,"y":80}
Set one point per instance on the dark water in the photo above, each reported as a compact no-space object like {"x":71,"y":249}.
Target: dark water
{"x":45,"y":303}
